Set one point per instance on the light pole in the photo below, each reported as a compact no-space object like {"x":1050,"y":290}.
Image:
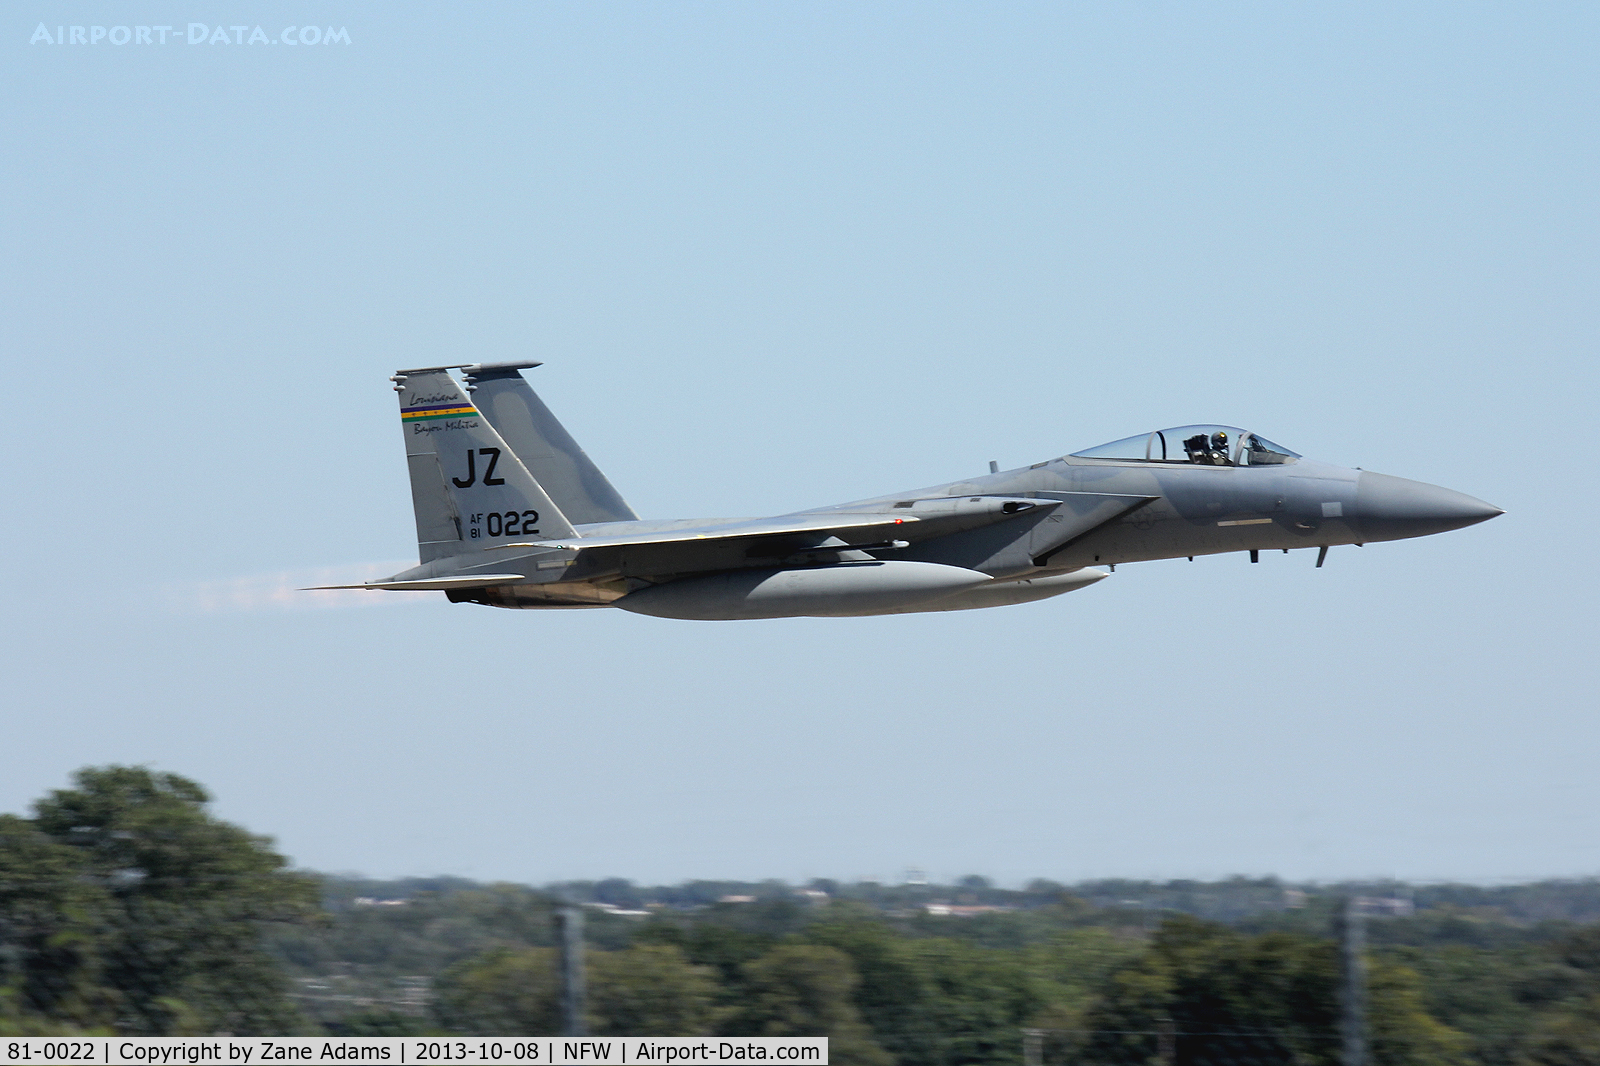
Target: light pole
{"x":1353,"y":982}
{"x":569,"y":924}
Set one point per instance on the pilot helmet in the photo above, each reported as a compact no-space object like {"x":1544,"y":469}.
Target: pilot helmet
{"x":1219,"y":439}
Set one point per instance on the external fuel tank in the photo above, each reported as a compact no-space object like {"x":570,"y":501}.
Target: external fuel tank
{"x":822,"y":591}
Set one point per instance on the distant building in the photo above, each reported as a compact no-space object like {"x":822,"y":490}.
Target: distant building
{"x":611,"y":908}
{"x":1391,"y":905}
{"x":954,"y":910}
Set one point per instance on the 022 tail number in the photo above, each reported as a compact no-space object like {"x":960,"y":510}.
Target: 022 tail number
{"x":508,"y":524}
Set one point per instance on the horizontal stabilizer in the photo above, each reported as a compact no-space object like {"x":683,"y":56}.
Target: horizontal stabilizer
{"x":436,"y":584}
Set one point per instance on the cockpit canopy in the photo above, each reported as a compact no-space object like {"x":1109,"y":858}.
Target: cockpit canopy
{"x":1198,"y":445}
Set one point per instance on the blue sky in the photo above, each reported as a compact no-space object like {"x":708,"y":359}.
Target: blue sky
{"x":777,"y":256}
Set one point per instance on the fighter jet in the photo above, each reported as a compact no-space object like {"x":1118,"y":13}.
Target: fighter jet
{"x":511,"y":513}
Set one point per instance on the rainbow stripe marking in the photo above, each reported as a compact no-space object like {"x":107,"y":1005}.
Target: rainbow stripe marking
{"x":429,"y":412}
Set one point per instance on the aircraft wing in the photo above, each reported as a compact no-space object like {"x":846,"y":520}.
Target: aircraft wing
{"x":798,"y":525}
{"x":783,"y":540}
{"x":769,"y":541}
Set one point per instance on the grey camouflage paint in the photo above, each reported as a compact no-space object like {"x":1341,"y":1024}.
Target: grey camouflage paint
{"x":511,"y":513}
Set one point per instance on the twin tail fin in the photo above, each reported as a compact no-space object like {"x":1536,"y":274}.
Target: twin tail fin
{"x":469,"y":489}
{"x":543,"y":444}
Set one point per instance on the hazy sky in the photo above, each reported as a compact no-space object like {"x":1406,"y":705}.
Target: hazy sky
{"x":782,"y":255}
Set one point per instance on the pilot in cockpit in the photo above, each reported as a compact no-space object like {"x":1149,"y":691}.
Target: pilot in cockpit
{"x":1208,"y":451}
{"x":1219,"y":448}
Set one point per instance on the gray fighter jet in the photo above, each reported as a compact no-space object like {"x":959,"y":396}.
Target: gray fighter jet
{"x":511,"y":513}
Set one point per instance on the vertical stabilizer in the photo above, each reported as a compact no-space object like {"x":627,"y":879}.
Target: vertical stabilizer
{"x":543,"y":444}
{"x":469,"y":490}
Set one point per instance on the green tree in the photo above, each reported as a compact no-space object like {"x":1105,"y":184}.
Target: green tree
{"x":646,"y":990}
{"x":49,"y":960}
{"x":806,"y":990}
{"x":940,"y":1000}
{"x":1490,"y":996}
{"x":1567,"y":1030}
{"x":1401,"y":1030}
{"x":131,"y":907}
{"x":1569,"y":1036}
{"x":1067,"y":971}
{"x":1204,"y":994}
{"x":892,"y":995}
{"x":651,"y":990}
{"x":503,"y":992}
{"x":725,"y":950}
{"x":978,"y":999}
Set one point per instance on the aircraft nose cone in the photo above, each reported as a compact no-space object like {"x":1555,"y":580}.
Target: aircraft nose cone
{"x":1390,"y":508}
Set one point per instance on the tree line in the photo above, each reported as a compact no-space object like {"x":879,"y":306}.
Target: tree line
{"x":125,"y":907}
